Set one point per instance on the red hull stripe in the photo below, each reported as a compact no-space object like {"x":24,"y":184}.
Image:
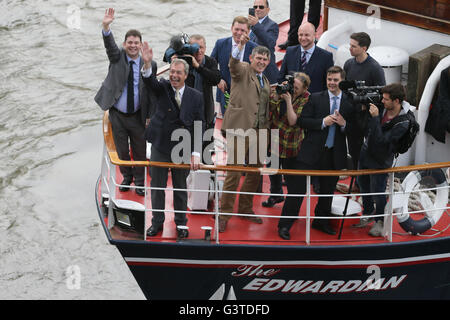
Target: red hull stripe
{"x":182,"y":263}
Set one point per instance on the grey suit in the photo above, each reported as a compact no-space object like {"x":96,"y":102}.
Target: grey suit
{"x":124,"y":126}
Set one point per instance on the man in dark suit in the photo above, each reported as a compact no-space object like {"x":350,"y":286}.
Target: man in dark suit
{"x":203,"y":75}
{"x":179,"y":107}
{"x":326,"y":117}
{"x":123,"y":93}
{"x":222,"y":52}
{"x":308,"y":58}
{"x":264,"y":31}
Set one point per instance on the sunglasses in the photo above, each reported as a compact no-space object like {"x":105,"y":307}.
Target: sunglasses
{"x":259,"y":7}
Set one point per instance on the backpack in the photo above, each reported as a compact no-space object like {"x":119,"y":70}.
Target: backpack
{"x":407,"y":139}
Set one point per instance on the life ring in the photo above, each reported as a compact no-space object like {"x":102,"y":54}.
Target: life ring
{"x":433,"y":211}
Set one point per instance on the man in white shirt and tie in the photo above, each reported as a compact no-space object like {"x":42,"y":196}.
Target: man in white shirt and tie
{"x":326,"y":118}
{"x":179,"y":107}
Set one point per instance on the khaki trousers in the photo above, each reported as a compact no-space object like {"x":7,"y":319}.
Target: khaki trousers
{"x":240,"y":149}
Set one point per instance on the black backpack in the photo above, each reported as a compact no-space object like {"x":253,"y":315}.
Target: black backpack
{"x":407,"y":139}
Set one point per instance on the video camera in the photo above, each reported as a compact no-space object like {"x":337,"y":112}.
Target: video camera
{"x":286,"y":87}
{"x":360,"y":93}
{"x":180,"y":46}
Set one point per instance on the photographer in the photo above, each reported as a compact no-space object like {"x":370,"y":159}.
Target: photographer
{"x":284,"y":113}
{"x":361,"y":67}
{"x":384,"y":132}
{"x":203,"y":75}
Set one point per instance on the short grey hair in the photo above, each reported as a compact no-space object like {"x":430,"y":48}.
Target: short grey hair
{"x":261,"y":50}
{"x":178,"y":61}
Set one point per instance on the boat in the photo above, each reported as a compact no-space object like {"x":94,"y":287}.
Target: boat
{"x":249,"y":261}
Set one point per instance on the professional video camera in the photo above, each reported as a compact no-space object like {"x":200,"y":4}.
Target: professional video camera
{"x":286,"y":87}
{"x":360,"y":93}
{"x":180,"y":46}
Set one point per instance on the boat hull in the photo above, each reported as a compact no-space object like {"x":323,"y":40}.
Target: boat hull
{"x":195,"y":270}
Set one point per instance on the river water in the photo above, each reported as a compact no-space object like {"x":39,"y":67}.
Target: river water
{"x":52,"y":62}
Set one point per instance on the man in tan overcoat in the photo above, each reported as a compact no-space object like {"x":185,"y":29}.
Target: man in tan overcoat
{"x":246,"y":119}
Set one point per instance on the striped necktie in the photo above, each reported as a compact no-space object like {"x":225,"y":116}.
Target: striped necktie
{"x":303,"y":60}
{"x":332,"y":130}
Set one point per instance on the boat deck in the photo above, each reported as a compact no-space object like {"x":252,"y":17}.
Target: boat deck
{"x":240,"y":231}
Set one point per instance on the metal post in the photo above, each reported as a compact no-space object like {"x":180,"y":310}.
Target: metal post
{"x":308,"y":208}
{"x":216,"y":206}
{"x":390,"y":205}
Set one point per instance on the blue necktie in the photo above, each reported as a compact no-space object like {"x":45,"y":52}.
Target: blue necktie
{"x":332,"y":129}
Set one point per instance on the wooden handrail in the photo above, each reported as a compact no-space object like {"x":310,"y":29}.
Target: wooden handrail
{"x":114,"y":158}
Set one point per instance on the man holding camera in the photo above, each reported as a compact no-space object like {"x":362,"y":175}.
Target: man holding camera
{"x":203,"y":75}
{"x":264,"y":31}
{"x":362,"y":67}
{"x":247,"y":114}
{"x":385,"y":129}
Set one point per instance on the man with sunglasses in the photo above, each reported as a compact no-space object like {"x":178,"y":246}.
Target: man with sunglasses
{"x":264,"y":31}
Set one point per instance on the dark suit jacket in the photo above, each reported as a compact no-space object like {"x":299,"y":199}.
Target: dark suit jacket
{"x":266,"y":34}
{"x":222,"y":53}
{"x":210,"y":77}
{"x":169,"y":117}
{"x":316,"y":68}
{"x":117,"y":77}
{"x":312,"y":148}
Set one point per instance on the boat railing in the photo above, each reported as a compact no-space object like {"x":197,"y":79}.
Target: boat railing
{"x":393,"y":208}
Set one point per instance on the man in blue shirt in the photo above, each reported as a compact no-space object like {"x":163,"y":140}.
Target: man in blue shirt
{"x":123,"y":93}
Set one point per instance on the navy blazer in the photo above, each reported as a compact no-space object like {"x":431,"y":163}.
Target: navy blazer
{"x":313,"y":145}
{"x":169,"y":117}
{"x":222,"y":53}
{"x":316,"y":68}
{"x":266,"y":34}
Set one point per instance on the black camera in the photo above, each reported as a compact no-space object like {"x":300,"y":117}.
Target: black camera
{"x":360,"y":93}
{"x":180,"y":46}
{"x":286,"y":87}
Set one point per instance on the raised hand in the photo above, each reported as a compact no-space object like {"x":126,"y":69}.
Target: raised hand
{"x":147,"y":55}
{"x":108,"y":18}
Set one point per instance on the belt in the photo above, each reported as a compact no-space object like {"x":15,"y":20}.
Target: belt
{"x":125,"y":113}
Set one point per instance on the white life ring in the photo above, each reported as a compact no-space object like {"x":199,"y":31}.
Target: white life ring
{"x":433,"y":211}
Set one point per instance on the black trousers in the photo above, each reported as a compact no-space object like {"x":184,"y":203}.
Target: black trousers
{"x":297,"y":185}
{"x":297,"y":11}
{"x":159,"y":180}
{"x":128,"y":130}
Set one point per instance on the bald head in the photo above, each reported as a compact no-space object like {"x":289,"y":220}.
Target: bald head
{"x":306,"y":35}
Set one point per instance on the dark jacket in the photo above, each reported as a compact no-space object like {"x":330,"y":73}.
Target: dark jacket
{"x":169,"y":117}
{"x":439,"y":118}
{"x":210,"y":77}
{"x":378,"y":149}
{"x":316,"y":68}
{"x":312,"y":148}
{"x":266,"y":34}
{"x":117,"y":77}
{"x":222,"y":54}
